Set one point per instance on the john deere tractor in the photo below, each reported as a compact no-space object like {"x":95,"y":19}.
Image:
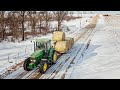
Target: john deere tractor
{"x":43,"y":56}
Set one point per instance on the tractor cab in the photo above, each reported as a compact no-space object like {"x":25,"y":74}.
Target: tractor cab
{"x":44,"y":44}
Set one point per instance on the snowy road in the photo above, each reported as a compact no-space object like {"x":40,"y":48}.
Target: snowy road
{"x":102,"y":58}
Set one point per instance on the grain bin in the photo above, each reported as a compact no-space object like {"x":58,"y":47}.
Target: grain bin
{"x":58,"y":36}
{"x":62,"y":46}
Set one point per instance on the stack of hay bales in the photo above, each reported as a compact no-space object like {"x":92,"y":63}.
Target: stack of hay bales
{"x":61,"y":43}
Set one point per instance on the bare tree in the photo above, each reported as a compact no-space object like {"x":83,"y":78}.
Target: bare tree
{"x":13,"y":23}
{"x":33,"y":19}
{"x":40,"y":18}
{"x":60,"y":16}
{"x":2,"y":23}
{"x":47,"y":17}
{"x":22,"y":21}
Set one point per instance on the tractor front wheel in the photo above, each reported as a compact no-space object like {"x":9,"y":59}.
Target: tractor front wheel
{"x":25,"y":65}
{"x":43,"y":67}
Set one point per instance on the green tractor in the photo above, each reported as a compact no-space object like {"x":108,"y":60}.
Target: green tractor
{"x":43,"y":56}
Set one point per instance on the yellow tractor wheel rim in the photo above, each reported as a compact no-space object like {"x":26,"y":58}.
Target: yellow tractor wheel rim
{"x":54,"y":57}
{"x":45,"y":67}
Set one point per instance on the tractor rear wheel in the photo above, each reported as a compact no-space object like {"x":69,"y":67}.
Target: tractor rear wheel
{"x":54,"y":57}
{"x":25,"y":65}
{"x":43,"y":67}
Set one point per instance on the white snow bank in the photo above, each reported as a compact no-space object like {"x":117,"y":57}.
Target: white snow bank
{"x":101,"y":59}
{"x":17,"y":52}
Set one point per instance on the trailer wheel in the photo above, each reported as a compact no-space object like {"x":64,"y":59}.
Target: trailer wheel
{"x":43,"y":67}
{"x":26,"y":63}
{"x":54,"y":57}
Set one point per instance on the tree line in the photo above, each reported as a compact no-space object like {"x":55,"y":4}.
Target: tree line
{"x":15,"y":22}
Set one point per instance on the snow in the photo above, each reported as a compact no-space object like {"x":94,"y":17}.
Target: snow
{"x":75,"y":27}
{"x":16,"y":73}
{"x":71,"y":24}
{"x":13,"y":53}
{"x":101,"y":59}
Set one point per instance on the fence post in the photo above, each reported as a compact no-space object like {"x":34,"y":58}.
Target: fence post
{"x":15,"y":60}
{"x":9,"y":59}
{"x":31,"y":48}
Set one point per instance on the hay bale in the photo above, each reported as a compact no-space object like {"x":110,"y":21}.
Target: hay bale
{"x":58,"y":36}
{"x":70,"y":41}
{"x":62,"y":46}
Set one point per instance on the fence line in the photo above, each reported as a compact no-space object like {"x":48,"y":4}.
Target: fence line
{"x":14,"y":56}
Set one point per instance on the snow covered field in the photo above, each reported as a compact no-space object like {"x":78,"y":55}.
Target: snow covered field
{"x":99,"y":61}
{"x":102,"y":58}
{"x":13,"y":53}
